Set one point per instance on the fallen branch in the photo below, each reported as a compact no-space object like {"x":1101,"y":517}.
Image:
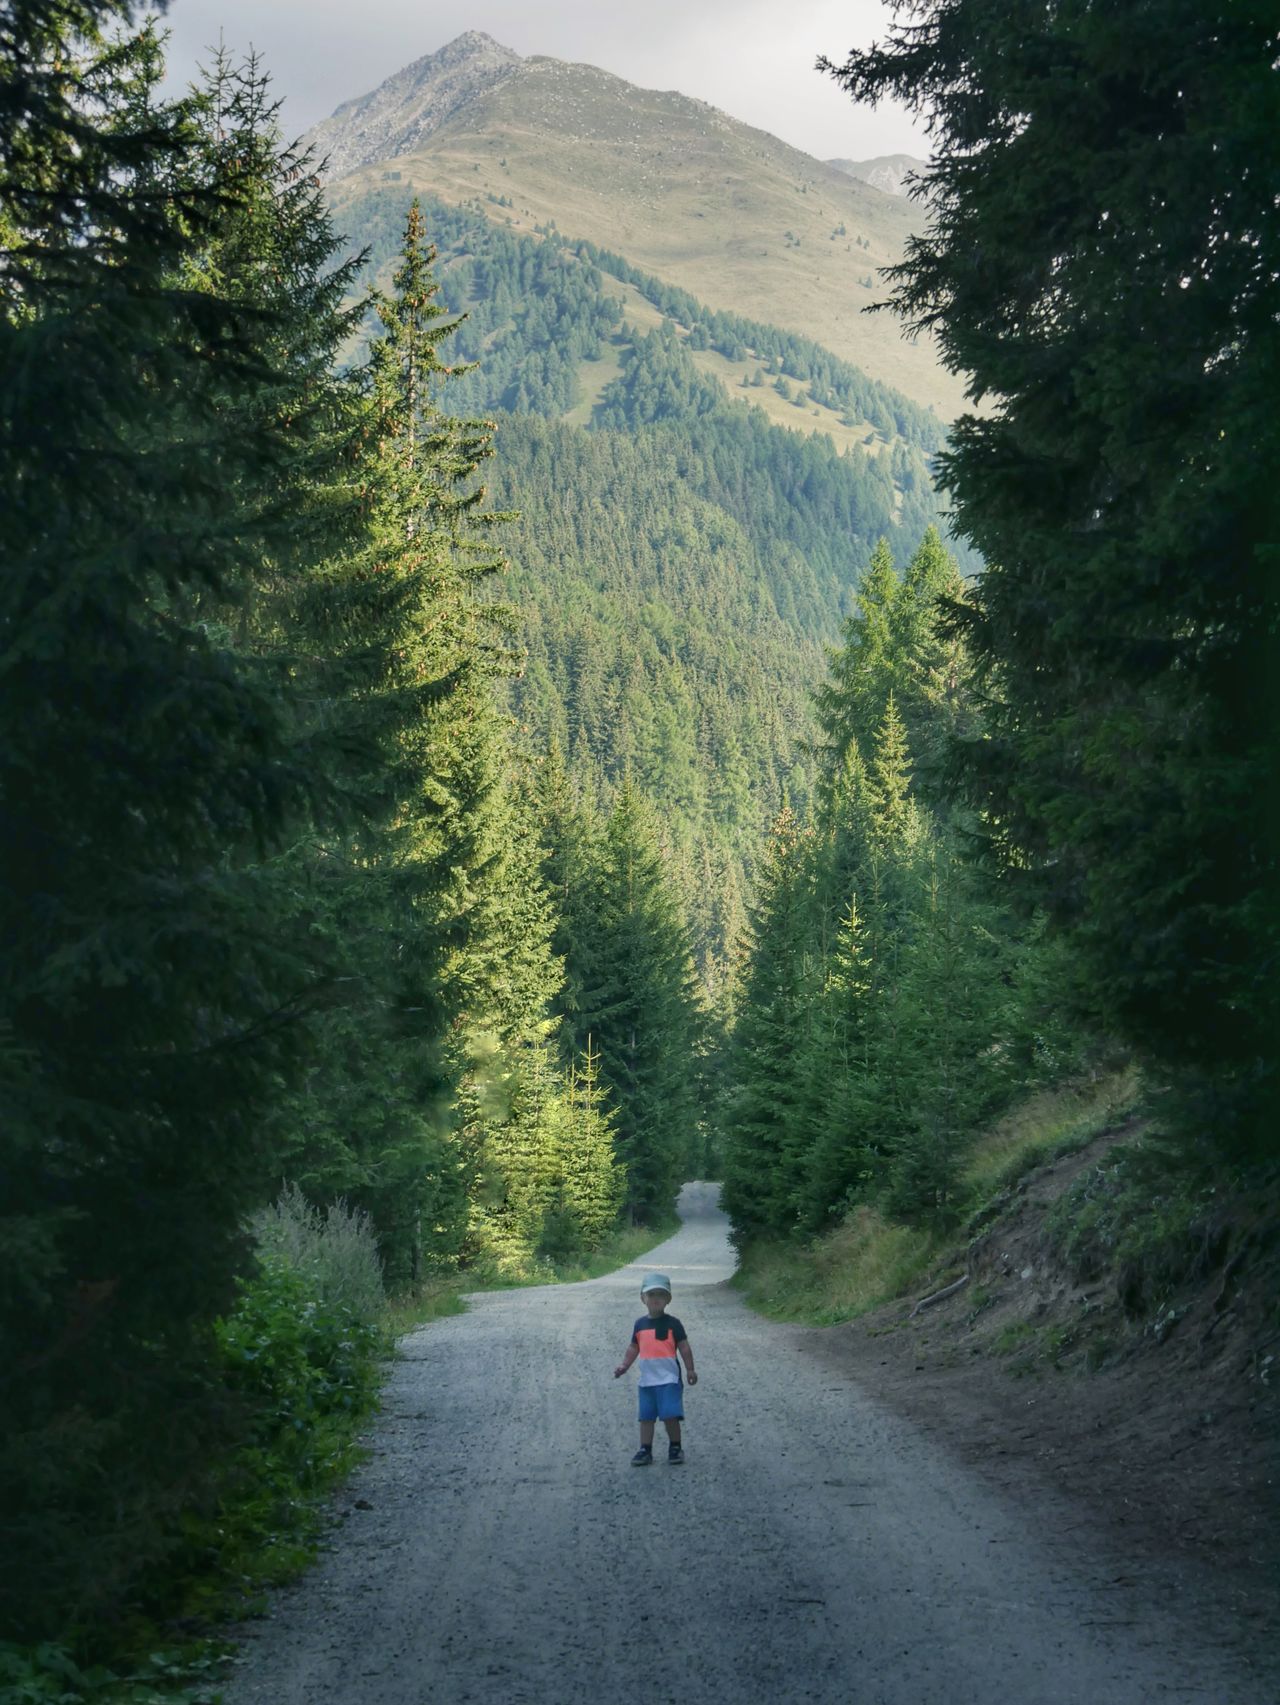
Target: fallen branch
{"x":938,"y":1296}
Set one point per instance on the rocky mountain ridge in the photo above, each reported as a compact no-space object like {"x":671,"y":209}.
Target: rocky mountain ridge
{"x":735,"y":216}
{"x":414,"y":103}
{"x":887,"y":172}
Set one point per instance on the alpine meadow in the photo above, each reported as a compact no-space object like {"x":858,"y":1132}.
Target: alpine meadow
{"x":554,"y":645}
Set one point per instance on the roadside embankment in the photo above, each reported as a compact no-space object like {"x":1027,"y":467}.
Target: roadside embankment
{"x":1101,"y":1321}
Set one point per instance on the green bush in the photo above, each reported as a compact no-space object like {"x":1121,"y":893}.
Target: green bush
{"x":301,"y":1348}
{"x":335,"y":1246}
{"x":296,"y":1363}
{"x":294,"y":1356}
{"x":48,"y":1674}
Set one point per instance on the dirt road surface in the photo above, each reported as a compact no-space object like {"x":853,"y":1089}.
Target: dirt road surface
{"x":498,"y":1548}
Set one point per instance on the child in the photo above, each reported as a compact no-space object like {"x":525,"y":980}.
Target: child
{"x":657,"y":1338}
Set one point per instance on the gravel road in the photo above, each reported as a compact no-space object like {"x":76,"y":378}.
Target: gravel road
{"x":499,"y":1548}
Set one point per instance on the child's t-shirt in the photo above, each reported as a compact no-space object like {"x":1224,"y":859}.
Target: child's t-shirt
{"x":656,"y":1341}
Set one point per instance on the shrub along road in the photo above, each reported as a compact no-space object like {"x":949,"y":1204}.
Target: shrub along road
{"x":499,"y":1547}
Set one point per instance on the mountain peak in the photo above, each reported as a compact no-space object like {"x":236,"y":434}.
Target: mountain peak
{"x":712,"y":206}
{"x":477,"y":41}
{"x":470,"y":45}
{"x":413,"y":103}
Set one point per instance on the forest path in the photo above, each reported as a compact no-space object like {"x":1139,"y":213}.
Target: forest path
{"x":499,"y":1548}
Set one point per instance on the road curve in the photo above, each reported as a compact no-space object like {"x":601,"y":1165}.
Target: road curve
{"x":813,"y":1547}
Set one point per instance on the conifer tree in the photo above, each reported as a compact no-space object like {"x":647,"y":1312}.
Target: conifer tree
{"x":593,"y":1180}
{"x":448,"y":967}
{"x":511,"y":1087}
{"x":510,"y":1122}
{"x":151,"y":773}
{"x":880,"y":1002}
{"x":932,"y":677}
{"x":896,"y":820}
{"x":952,"y":1021}
{"x":571,"y":837}
{"x":629,"y":984}
{"x":838,"y":1165}
{"x":765,"y":1117}
{"x":1105,"y":267}
{"x":863,"y":670}
{"x":644,"y":1010}
{"x":365,"y":1122}
{"x":849,"y":848}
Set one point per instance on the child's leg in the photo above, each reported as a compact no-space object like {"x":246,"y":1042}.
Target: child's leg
{"x":646,"y":1432}
{"x":673,"y":1431}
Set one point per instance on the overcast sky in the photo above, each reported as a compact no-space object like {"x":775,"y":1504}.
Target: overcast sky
{"x":753,"y":58}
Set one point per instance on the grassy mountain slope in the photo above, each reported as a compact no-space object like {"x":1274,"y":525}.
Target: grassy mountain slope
{"x":535,"y":295}
{"x":729,"y":213}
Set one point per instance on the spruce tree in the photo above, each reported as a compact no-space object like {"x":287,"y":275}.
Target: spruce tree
{"x":952,"y":1022}
{"x":511,"y":1088}
{"x":630,"y":986}
{"x":932,"y":682}
{"x":594,"y":1182}
{"x":896,"y":820}
{"x":838,"y":1165}
{"x":650,"y":1025}
{"x":765,"y":1116}
{"x":875,"y":1014}
{"x":447,"y":965}
{"x":152,"y":981}
{"x":863,"y":670}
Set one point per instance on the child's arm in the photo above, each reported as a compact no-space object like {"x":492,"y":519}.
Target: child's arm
{"x":625,"y":1363}
{"x":686,"y":1355}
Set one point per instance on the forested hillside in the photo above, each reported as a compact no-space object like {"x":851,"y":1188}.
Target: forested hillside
{"x":892,"y":1004}
{"x":679,"y":555}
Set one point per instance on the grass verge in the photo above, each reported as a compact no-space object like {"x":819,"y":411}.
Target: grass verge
{"x":625,"y":1246}
{"x":1046,"y":1125}
{"x":863,"y":1262}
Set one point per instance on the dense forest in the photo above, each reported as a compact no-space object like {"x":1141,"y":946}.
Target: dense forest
{"x":1044,"y":814}
{"x":283,"y":901}
{"x":893,"y":1003}
{"x":463,"y":776}
{"x":677,"y":577}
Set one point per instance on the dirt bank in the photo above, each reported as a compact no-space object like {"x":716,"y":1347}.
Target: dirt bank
{"x":1164,"y":1433}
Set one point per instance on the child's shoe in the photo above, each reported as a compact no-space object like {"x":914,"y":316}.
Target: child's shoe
{"x":675,"y":1453}
{"x":643,"y":1457}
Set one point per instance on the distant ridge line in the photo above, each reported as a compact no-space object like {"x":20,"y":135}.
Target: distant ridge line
{"x":740,"y":218}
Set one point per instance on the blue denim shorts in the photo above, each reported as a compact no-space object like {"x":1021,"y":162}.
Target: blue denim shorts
{"x":662,"y":1402}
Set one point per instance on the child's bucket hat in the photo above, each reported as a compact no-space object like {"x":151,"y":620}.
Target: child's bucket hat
{"x":655,"y":1282}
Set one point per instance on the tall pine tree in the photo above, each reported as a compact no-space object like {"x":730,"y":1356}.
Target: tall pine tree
{"x":1101,"y":254}
{"x":151,"y":772}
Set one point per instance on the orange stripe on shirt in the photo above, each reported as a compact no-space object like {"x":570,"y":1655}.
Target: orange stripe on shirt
{"x":651,"y":1346}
